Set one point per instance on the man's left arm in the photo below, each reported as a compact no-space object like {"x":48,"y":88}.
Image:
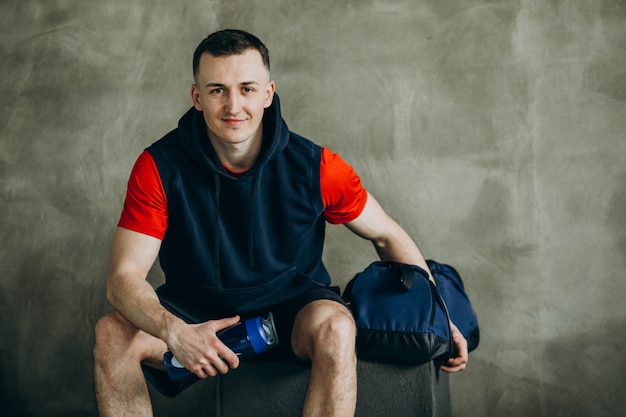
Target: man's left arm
{"x":392,"y":243}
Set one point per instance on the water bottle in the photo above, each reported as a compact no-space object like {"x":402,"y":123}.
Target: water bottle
{"x":246,"y":339}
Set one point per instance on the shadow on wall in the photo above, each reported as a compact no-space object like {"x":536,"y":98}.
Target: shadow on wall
{"x":8,"y":370}
{"x":596,"y":355}
{"x":45,"y":362}
{"x":616,"y":214}
{"x":581,"y":375}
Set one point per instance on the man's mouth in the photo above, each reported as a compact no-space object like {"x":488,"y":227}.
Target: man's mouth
{"x":234,"y":122}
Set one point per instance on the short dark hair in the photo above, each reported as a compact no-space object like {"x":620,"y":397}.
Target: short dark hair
{"x":229,"y":42}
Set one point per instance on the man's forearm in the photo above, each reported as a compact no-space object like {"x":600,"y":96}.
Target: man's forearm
{"x":137,"y":301}
{"x":391,"y":241}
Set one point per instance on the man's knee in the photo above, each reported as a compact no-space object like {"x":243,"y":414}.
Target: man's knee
{"x":112,"y":325}
{"x":326,"y":328}
{"x":115,"y":337}
{"x":339,"y":326}
{"x":119,"y":340}
{"x":109,"y":335}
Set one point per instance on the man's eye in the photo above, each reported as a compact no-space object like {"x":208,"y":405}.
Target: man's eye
{"x":217,"y":91}
{"x":248,"y":90}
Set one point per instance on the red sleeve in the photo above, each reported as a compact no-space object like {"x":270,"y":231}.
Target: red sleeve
{"x":145,"y":208}
{"x":342,"y":192}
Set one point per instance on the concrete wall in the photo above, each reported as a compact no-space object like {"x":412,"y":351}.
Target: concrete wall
{"x":495,"y":132}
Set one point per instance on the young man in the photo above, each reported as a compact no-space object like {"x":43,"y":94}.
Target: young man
{"x":234,"y":205}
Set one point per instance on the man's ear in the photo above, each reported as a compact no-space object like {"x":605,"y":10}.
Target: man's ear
{"x":269,"y":94}
{"x":195,"y":97}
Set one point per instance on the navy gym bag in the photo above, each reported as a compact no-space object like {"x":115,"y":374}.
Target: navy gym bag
{"x":401,"y":316}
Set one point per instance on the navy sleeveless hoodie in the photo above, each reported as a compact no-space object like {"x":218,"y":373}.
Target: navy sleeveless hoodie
{"x":238,"y":245}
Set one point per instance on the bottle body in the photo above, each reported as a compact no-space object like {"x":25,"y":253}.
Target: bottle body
{"x":246,"y":338}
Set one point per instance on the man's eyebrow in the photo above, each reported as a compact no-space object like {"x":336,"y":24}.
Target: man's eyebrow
{"x":223,"y":85}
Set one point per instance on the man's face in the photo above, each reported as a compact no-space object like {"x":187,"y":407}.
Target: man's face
{"x":232,"y":92}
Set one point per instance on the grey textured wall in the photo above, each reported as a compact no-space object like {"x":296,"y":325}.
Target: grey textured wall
{"x":495,"y":132}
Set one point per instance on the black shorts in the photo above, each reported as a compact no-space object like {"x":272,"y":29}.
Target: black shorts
{"x":284,"y":317}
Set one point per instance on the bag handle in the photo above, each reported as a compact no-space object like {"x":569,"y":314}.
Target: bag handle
{"x":437,"y":295}
{"x":406,"y":273}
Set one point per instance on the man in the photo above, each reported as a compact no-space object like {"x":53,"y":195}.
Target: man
{"x":234,"y":205}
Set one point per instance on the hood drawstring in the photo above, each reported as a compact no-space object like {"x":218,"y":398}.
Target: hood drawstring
{"x":255,"y":182}
{"x":216,"y":254}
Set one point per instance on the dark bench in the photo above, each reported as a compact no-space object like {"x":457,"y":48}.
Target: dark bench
{"x":276,"y":389}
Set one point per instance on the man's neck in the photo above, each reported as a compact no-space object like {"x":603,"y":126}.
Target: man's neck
{"x":238,"y":157}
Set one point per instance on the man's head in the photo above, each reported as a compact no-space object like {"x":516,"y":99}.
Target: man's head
{"x":232,"y":89}
{"x":229,"y":42}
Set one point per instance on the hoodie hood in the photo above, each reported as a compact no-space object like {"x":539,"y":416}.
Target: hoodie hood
{"x":195,"y":140}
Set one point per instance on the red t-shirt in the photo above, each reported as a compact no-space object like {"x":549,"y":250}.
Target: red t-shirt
{"x":145,"y":208}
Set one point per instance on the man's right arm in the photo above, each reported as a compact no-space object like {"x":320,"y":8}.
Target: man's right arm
{"x":128,"y":291}
{"x":195,"y":346}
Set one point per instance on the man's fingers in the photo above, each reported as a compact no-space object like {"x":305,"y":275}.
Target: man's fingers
{"x":460,"y":362}
{"x":227,"y":322}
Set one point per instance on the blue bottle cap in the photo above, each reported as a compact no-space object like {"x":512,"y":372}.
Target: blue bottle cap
{"x":256,"y":334}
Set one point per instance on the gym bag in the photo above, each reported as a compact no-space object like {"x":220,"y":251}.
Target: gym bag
{"x":401,"y":316}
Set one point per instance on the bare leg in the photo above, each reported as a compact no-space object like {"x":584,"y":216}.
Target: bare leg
{"x":324,"y":332}
{"x":121,"y":388}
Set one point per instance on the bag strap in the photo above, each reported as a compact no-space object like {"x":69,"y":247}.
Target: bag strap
{"x":437,"y":295}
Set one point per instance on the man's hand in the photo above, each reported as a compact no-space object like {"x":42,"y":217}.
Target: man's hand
{"x":197,"y":347}
{"x":460,"y":362}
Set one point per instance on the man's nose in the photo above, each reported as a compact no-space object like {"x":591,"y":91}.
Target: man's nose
{"x":233,"y":103}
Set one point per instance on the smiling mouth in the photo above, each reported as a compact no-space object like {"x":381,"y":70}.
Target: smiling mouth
{"x":234,"y":122}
